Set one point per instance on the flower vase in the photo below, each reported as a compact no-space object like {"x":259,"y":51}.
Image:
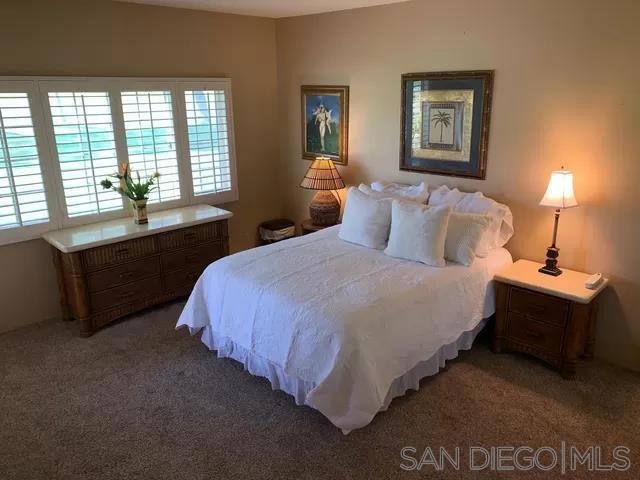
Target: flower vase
{"x":140,"y":211}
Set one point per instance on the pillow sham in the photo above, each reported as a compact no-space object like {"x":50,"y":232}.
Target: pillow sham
{"x":366,"y":220}
{"x":464,"y":233}
{"x":444,"y":196}
{"x":417,"y":193}
{"x":418,"y":233}
{"x":379,"y":195}
{"x":500,"y":229}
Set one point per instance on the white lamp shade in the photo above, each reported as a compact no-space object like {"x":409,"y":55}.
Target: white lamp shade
{"x":559,"y":193}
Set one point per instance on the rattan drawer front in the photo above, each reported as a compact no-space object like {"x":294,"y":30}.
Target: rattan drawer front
{"x":539,"y":306}
{"x":113,"y":254}
{"x":190,"y":236}
{"x":184,"y":277}
{"x":125,"y":273}
{"x":128,"y":293}
{"x":191,"y":257}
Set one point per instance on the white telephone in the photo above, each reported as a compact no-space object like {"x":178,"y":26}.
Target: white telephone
{"x":593,"y":281}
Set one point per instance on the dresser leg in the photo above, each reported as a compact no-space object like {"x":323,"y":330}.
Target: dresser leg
{"x":568,"y":370}
{"x":86,"y":327}
{"x":496,"y":345}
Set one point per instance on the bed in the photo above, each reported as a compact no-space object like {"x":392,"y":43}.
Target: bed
{"x":340,"y":327}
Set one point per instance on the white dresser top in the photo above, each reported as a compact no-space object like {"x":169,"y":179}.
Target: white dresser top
{"x":569,"y":285}
{"x":103,"y":233}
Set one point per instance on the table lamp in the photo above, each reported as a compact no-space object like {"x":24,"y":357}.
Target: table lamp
{"x":324,"y":177}
{"x":559,"y":195}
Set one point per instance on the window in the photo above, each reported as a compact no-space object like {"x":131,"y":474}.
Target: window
{"x":86,"y":150}
{"x":22,"y":193}
{"x":151,"y":140}
{"x":208,"y":141}
{"x":59,"y":137}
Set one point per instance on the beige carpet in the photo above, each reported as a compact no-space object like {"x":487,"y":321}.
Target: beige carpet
{"x":140,"y":400}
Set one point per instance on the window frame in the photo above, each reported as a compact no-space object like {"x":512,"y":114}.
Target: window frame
{"x":38,"y":88}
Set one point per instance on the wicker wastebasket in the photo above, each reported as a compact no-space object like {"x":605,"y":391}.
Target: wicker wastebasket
{"x":276,"y":230}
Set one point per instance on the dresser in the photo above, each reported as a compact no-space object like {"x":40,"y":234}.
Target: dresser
{"x":551,"y":318}
{"x":108,"y":270}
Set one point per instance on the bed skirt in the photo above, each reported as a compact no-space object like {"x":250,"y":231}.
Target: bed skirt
{"x":299,"y":388}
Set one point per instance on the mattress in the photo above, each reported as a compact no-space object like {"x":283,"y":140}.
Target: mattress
{"x":342,"y":328}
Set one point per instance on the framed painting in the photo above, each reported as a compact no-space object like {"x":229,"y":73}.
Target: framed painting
{"x":445,"y":122}
{"x":325,"y":122}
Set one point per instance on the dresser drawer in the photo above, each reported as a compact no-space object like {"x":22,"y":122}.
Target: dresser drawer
{"x":125,"y":273}
{"x":201,"y":255}
{"x":190,"y":236}
{"x":96,"y":258}
{"x":534,"y":333}
{"x":128,"y":293}
{"x":538,"y":306}
{"x":184,"y":277}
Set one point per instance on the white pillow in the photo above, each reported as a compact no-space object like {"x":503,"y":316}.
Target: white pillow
{"x":500,"y":229}
{"x":366,"y":220}
{"x":464,"y":232}
{"x":417,"y":193}
{"x":418,"y":232}
{"x":443,"y":196}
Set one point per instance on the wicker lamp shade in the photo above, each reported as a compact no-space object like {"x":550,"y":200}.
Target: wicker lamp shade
{"x":323,"y":176}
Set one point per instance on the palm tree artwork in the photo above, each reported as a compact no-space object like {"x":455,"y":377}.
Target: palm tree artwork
{"x":441,"y":118}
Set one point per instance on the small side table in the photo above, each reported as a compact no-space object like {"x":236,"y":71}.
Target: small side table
{"x":551,"y":318}
{"x":309,"y":227}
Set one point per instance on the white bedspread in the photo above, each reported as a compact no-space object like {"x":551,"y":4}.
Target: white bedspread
{"x":344,"y":320}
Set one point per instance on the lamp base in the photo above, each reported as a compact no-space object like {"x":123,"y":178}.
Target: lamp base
{"x":324,"y":209}
{"x":551,"y":263}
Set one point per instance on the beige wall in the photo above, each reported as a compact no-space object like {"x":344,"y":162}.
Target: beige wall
{"x":100,"y":38}
{"x":566,"y":93}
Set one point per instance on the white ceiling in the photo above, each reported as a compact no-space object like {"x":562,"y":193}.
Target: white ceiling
{"x":267,"y":8}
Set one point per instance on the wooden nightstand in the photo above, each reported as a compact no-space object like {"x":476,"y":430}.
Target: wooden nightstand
{"x":551,"y":318}
{"x":308,"y":227}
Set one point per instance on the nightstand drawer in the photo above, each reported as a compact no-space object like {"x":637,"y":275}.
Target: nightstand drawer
{"x":534,"y":333}
{"x":539,"y":306}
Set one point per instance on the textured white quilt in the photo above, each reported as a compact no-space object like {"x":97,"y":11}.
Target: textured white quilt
{"x":344,"y":319}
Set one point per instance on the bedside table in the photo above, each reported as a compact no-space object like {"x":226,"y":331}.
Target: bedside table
{"x":551,"y":318}
{"x":308,"y":227}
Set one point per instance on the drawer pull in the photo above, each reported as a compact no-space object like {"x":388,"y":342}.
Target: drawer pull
{"x":190,"y":258}
{"x":190,"y":236}
{"x":122,"y":251}
{"x":129,"y":294}
{"x":124,"y":275}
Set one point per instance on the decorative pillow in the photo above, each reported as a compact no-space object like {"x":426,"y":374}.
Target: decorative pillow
{"x":500,"y":229}
{"x":418,"y":232}
{"x":366,"y":220}
{"x":443,"y":196}
{"x":417,"y":193}
{"x":464,"y":233}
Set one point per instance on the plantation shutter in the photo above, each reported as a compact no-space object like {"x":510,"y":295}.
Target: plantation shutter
{"x":151,"y":140}
{"x":84,"y":140}
{"x":208,"y":137}
{"x":22,"y":192}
